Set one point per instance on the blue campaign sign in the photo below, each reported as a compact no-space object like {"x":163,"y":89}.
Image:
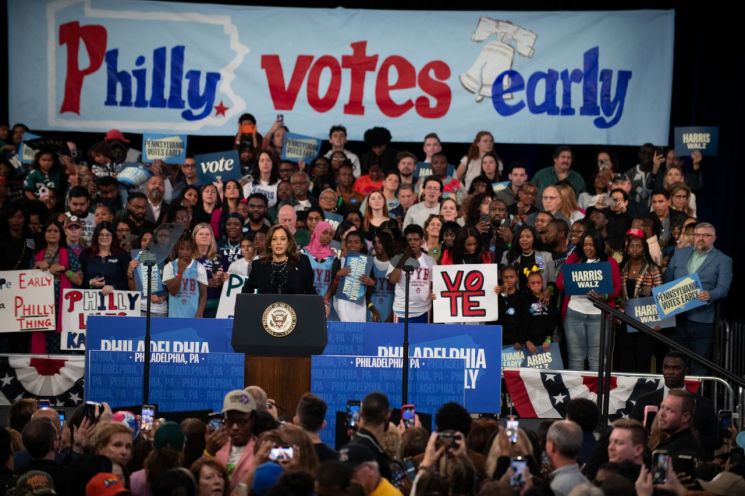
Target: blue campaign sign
{"x":690,"y":139}
{"x":336,"y":379}
{"x":333,"y":219}
{"x":170,"y":148}
{"x":424,"y":169}
{"x":522,"y":358}
{"x":221,"y":165}
{"x":678,"y":296}
{"x":298,"y":147}
{"x":350,"y":287}
{"x":580,"y":279}
{"x":192,"y":364}
{"x":480,"y":346}
{"x":645,"y":311}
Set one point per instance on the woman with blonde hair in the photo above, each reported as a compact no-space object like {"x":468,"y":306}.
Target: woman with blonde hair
{"x":207,"y":255}
{"x":114,"y":441}
{"x":502,"y":447}
{"x":569,"y":206}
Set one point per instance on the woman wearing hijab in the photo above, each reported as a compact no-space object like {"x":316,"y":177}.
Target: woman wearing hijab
{"x":321,"y":256}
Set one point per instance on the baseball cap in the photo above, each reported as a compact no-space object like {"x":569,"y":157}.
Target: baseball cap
{"x":725,"y":483}
{"x":265,"y":477}
{"x":355,"y":454}
{"x":72,"y":220}
{"x":238,"y":400}
{"x":105,"y":484}
{"x":36,"y":482}
{"x":115,"y":135}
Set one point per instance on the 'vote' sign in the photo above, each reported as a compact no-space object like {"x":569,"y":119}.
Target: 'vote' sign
{"x":465,"y":293}
{"x":220,"y":165}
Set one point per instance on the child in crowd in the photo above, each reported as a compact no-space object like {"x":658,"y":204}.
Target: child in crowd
{"x":242,"y":266}
{"x":349,"y":310}
{"x":540,"y":318}
{"x":46,"y":174}
{"x":511,"y":308}
{"x":186,"y":280}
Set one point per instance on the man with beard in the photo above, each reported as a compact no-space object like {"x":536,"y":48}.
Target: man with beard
{"x":136,"y":213}
{"x":639,"y":175}
{"x":108,"y":194}
{"x":257,"y":208}
{"x":233,"y":443}
{"x":560,"y":171}
{"x":79,"y":204}
{"x":406,"y":163}
{"x":695,"y":328}
{"x":157,"y":209}
{"x":187,"y":176}
{"x":517,"y":173}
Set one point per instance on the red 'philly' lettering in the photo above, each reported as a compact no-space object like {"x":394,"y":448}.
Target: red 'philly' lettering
{"x":94,"y":38}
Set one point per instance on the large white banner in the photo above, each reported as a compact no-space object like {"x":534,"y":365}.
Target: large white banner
{"x":528,"y":77}
{"x":27,"y":301}
{"x":465,"y":293}
{"x":79,"y":304}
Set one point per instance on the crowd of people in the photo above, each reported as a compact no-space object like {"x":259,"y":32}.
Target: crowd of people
{"x":247,"y":448}
{"x":87,"y":222}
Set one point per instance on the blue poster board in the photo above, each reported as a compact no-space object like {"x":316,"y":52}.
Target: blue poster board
{"x":298,"y":147}
{"x":350,"y":287}
{"x":424,"y":169}
{"x":480,"y":346}
{"x":549,"y":359}
{"x":581,"y":278}
{"x":170,"y":148}
{"x":224,"y":165}
{"x":703,"y":139}
{"x":192,"y":364}
{"x":645,"y":311}
{"x":336,"y":379}
{"x":678,"y":296}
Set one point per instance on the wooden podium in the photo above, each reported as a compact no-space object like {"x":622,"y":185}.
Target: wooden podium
{"x":278,"y":333}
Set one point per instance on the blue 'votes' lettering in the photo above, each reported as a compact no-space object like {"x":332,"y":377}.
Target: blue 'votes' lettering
{"x":116,"y":79}
{"x":610,"y":105}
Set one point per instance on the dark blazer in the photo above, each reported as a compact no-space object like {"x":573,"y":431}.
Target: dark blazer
{"x":299,"y":278}
{"x":704,"y":420}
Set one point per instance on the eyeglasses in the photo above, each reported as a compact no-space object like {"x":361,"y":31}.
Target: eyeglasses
{"x":550,"y":197}
{"x":239,"y":421}
{"x":702,"y":235}
{"x":682,"y":196}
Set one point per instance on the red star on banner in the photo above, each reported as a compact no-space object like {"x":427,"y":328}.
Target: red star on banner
{"x":221,"y":109}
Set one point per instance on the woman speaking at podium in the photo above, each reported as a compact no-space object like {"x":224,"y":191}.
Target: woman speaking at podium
{"x":282,"y":270}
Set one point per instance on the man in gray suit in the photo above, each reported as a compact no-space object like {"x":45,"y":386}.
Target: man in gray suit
{"x":695,"y":328}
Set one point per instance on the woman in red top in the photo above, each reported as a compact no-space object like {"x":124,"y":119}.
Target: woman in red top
{"x":581,"y":317}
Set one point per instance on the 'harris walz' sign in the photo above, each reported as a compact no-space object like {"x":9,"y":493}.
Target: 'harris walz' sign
{"x":580,"y":279}
{"x":645,"y":311}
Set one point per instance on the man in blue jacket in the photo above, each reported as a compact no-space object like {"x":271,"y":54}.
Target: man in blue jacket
{"x":695,"y":328}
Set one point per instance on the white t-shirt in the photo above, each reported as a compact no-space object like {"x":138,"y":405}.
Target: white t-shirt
{"x":268,"y":190}
{"x":420,"y":288}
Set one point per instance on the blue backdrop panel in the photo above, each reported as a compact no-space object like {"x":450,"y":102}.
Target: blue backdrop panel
{"x":479,"y":345}
{"x":337,"y":379}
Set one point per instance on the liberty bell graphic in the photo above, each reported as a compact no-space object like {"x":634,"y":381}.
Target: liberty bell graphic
{"x":496,"y":56}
